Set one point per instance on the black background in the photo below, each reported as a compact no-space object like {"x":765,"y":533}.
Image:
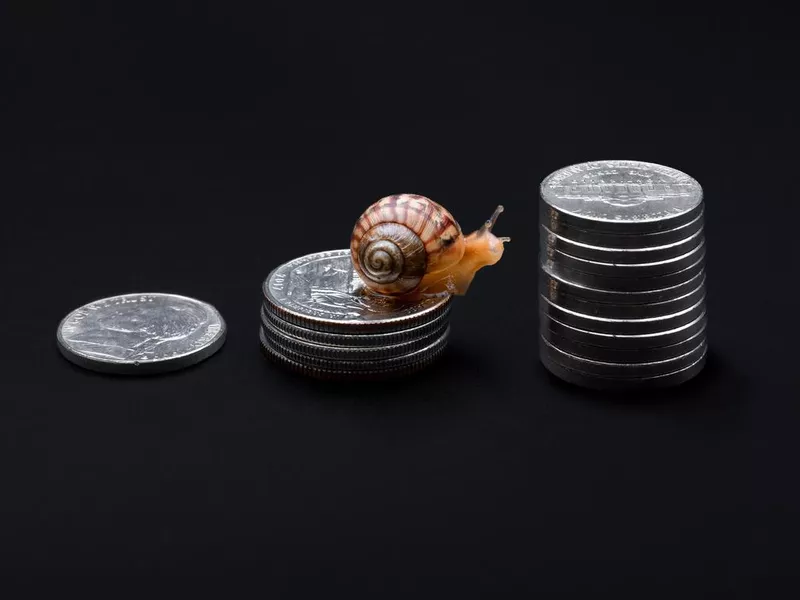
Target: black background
{"x":194,"y":147}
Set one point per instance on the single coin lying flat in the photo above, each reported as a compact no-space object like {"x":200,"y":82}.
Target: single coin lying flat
{"x":141,"y":333}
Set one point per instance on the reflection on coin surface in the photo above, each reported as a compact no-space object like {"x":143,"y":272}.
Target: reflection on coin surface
{"x":141,"y":333}
{"x":322,"y":291}
{"x":622,"y":194}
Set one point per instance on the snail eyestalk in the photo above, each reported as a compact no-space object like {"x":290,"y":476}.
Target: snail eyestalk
{"x":482,"y":249}
{"x":487,"y":226}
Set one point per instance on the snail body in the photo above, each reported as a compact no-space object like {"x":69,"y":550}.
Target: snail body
{"x":408,"y":244}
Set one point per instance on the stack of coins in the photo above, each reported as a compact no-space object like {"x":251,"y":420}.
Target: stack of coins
{"x":622,"y":279}
{"x":317,"y":319}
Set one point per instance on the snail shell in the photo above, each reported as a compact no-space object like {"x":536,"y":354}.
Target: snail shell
{"x":400,"y":238}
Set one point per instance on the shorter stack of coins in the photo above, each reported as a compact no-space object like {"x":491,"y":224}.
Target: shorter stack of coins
{"x":317,"y":319}
{"x":622,"y":276}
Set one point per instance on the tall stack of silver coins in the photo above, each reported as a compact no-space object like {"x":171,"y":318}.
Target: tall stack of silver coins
{"x":622,"y":275}
{"x":318,"y":320}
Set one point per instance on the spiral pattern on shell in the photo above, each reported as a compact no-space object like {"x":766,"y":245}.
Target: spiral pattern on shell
{"x":391,"y":258}
{"x":398,"y":239}
{"x":382,"y":261}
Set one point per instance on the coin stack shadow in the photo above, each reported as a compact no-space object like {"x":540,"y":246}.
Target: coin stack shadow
{"x":317,"y":320}
{"x":622,"y":275}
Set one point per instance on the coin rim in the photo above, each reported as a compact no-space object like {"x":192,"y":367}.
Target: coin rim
{"x":350,"y":375}
{"x":610,"y":310}
{"x":617,"y":225}
{"x":620,"y":256}
{"x":627,"y":341}
{"x":620,"y":370}
{"x":589,"y":381}
{"x":365,"y":339}
{"x":622,"y":297}
{"x":592,"y":352}
{"x":362,"y":364}
{"x":616,"y":326}
{"x":630,"y":284}
{"x":621,"y":270}
{"x":634,"y":240}
{"x":343,"y":352}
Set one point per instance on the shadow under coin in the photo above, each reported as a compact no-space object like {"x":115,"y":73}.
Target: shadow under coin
{"x":715,"y":387}
{"x":439,"y":383}
{"x":103,"y":372}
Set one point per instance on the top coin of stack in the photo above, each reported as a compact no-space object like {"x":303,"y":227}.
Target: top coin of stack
{"x":622,"y":275}
{"x":317,"y":319}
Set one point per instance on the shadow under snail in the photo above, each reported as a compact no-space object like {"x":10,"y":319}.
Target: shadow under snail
{"x":410,"y":246}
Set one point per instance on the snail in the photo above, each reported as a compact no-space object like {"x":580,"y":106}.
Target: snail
{"x":408,"y":245}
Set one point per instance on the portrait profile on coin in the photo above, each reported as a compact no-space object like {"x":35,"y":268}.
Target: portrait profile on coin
{"x":142,"y":331}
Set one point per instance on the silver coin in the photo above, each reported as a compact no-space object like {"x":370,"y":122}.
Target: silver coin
{"x":622,"y":355}
{"x":560,"y":294}
{"x":340,"y":372}
{"x":605,"y":383}
{"x":637,"y":271}
{"x":555,"y":282}
{"x":141,"y":333}
{"x":353,"y":340}
{"x":622,"y":196}
{"x":622,"y":341}
{"x":322,"y":291}
{"x":636,"y":370}
{"x":632,"y":240}
{"x":356,"y":364}
{"x":624,"y":284}
{"x":284,"y":341}
{"x":622,"y":326}
{"x":628,"y":256}
{"x":614,"y":305}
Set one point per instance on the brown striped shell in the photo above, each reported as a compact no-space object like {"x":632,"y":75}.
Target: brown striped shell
{"x":400,"y":238}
